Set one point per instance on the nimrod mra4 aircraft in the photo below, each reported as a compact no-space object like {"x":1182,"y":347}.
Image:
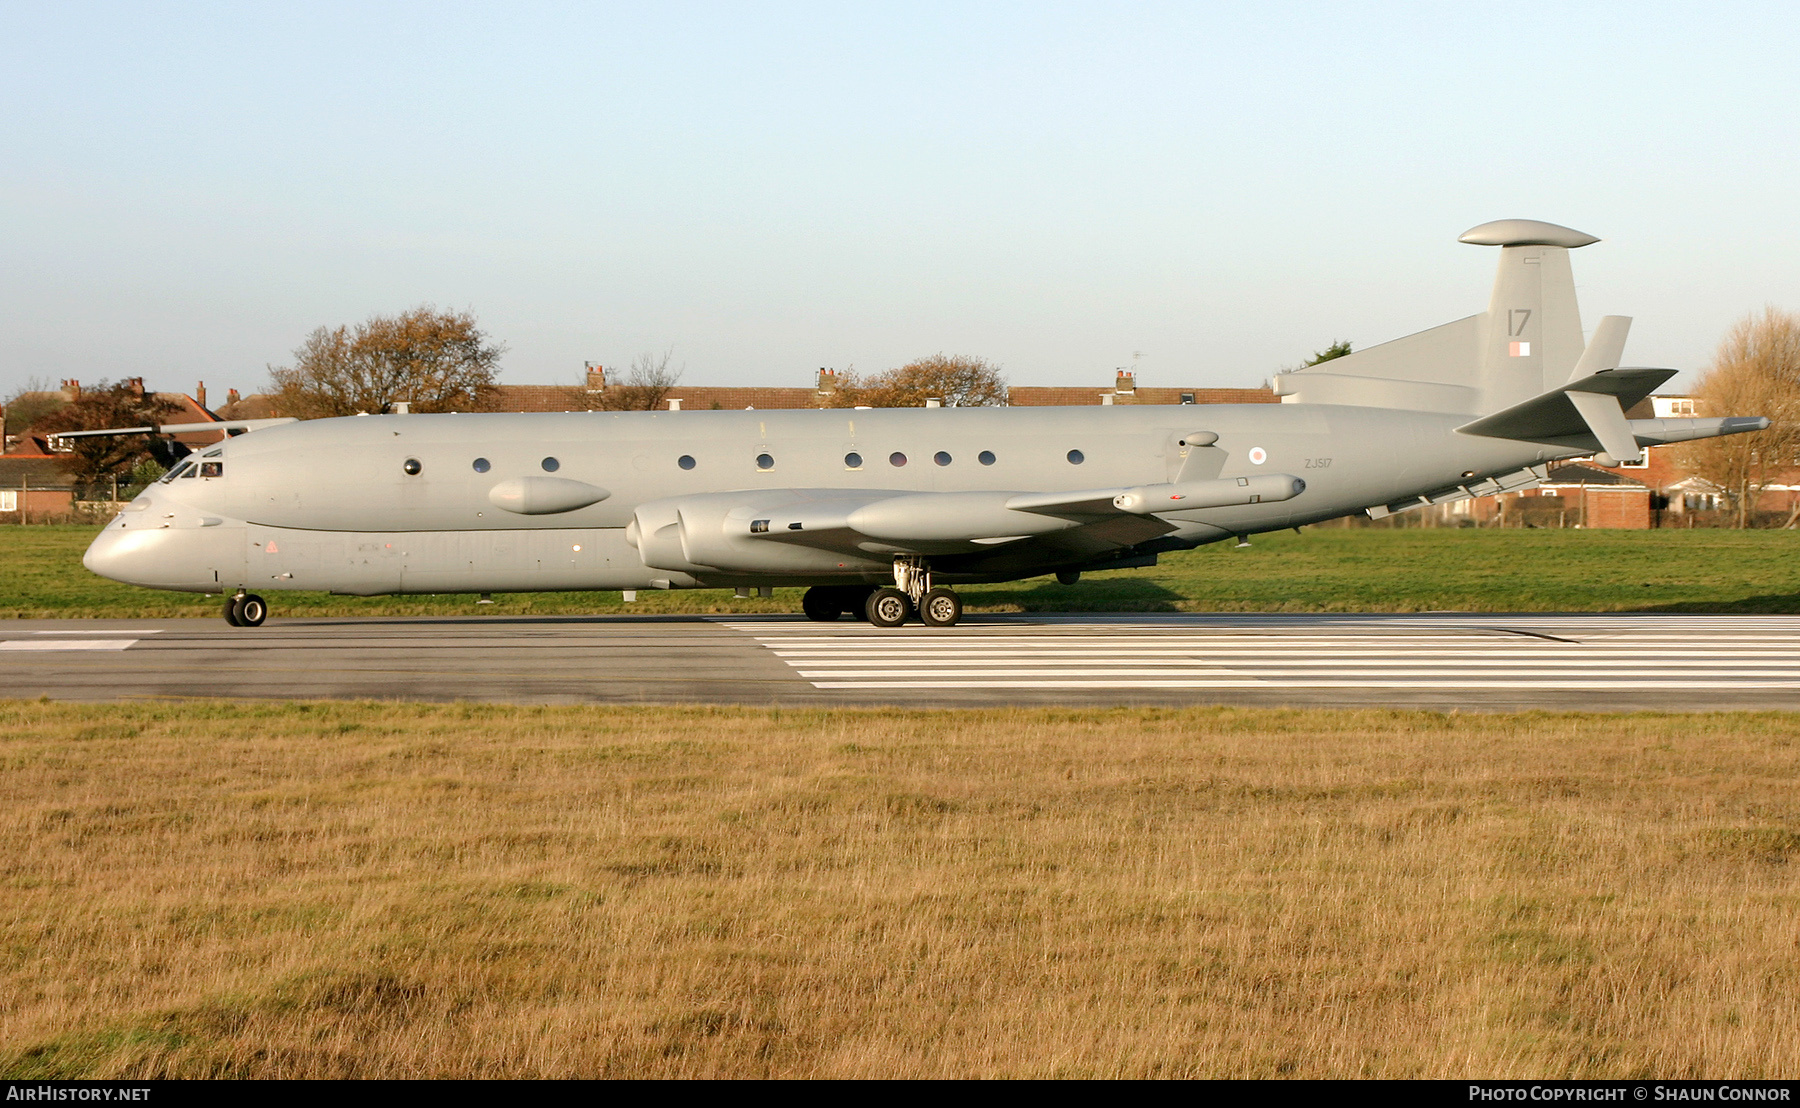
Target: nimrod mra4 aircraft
{"x":880,"y":512}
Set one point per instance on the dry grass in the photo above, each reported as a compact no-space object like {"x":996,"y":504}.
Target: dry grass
{"x":392,"y":890}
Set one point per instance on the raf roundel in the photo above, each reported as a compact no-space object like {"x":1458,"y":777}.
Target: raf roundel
{"x":1258,"y":455}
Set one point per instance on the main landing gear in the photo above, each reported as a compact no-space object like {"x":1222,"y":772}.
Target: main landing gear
{"x":912,"y":594}
{"x":246,"y":610}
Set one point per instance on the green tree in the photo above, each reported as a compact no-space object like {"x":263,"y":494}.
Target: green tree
{"x":434,"y":361}
{"x":1336,"y":350}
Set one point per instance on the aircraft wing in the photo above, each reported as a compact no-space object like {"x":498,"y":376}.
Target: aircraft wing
{"x":229,"y":426}
{"x":747,"y":530}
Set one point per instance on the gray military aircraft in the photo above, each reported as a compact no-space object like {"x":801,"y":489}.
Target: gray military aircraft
{"x":880,"y":511}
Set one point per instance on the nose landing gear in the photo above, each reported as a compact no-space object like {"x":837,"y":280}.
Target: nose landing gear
{"x":246,"y":610}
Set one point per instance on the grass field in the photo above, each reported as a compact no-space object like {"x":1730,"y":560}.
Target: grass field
{"x":327,"y":890}
{"x":1321,"y":569}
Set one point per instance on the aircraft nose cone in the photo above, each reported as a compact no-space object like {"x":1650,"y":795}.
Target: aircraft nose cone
{"x":119,"y":554}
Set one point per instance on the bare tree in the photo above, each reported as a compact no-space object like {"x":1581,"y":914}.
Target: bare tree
{"x":434,"y":361}
{"x":646,"y":385}
{"x":1755,"y":372}
{"x":100,"y":457}
{"x":959,"y":381}
{"x":31,"y":402}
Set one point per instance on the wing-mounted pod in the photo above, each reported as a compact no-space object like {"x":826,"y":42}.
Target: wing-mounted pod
{"x":1225,"y":492}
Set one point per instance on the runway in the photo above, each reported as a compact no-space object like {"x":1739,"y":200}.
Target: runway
{"x":1586,"y":662}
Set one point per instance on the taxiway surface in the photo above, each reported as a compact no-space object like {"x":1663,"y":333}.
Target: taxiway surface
{"x":1588,"y":662}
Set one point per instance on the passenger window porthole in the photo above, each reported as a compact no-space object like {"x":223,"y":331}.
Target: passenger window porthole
{"x":480,"y":464}
{"x":1076,"y":457}
{"x":412,"y":467}
{"x":896,"y":459}
{"x":686,"y":461}
{"x":853,"y":460}
{"x":765,"y":461}
{"x":986,"y":457}
{"x":941,"y":458}
{"x":551,"y":465}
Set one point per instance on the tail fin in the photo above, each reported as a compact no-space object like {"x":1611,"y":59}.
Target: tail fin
{"x":1531,"y":336}
{"x":1527,"y":342}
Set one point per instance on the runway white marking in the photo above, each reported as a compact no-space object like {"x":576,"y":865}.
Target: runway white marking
{"x":103,"y":631}
{"x":1251,"y":652}
{"x":41,"y":645}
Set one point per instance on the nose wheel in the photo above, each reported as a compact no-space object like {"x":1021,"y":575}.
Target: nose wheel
{"x":246,"y":610}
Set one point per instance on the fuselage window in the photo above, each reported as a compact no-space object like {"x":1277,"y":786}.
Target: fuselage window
{"x":686,"y":461}
{"x":986,"y":457}
{"x":1076,"y":457}
{"x":412,"y":467}
{"x":896,"y":459}
{"x":481,"y":465}
{"x":941,"y":458}
{"x":212,"y":469}
{"x":853,"y":460}
{"x":765,"y":461}
{"x":551,"y":465}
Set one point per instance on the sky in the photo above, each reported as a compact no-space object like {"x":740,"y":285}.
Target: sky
{"x":1209,"y":192}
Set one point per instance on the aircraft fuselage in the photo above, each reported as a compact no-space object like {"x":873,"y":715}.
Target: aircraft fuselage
{"x":586,"y":500}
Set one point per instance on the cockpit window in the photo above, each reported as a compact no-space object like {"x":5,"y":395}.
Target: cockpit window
{"x":177,"y":471}
{"x":214,"y":452}
{"x":212,"y":469}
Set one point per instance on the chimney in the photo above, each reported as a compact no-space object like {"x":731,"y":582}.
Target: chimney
{"x":1126,"y":383}
{"x":231,"y":397}
{"x":135,"y":386}
{"x":596,"y":376}
{"x":71,"y":388}
{"x":827,"y":380}
{"x":674,"y":403}
{"x":200,"y":394}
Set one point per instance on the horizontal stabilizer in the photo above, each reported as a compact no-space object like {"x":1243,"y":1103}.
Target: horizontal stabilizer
{"x":1554,"y":417}
{"x":1661,"y":432}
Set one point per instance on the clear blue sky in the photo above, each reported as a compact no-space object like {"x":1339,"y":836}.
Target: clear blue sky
{"x":768,"y":188}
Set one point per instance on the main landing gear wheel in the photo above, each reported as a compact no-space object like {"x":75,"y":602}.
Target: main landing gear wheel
{"x":822,"y":603}
{"x":250,"y":610}
{"x":940,"y":608}
{"x":231,"y":606}
{"x":888,"y":607}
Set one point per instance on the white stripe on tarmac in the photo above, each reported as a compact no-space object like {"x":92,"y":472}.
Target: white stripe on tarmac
{"x":105,"y":631}
{"x":1629,"y":653}
{"x":40,"y":645}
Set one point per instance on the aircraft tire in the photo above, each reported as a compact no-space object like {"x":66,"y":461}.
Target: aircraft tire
{"x":252,"y":610}
{"x":940,"y":608}
{"x":1068,"y":576}
{"x":888,"y":608}
{"x":231,"y":610}
{"x":856,"y":601}
{"x":822,"y":604}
